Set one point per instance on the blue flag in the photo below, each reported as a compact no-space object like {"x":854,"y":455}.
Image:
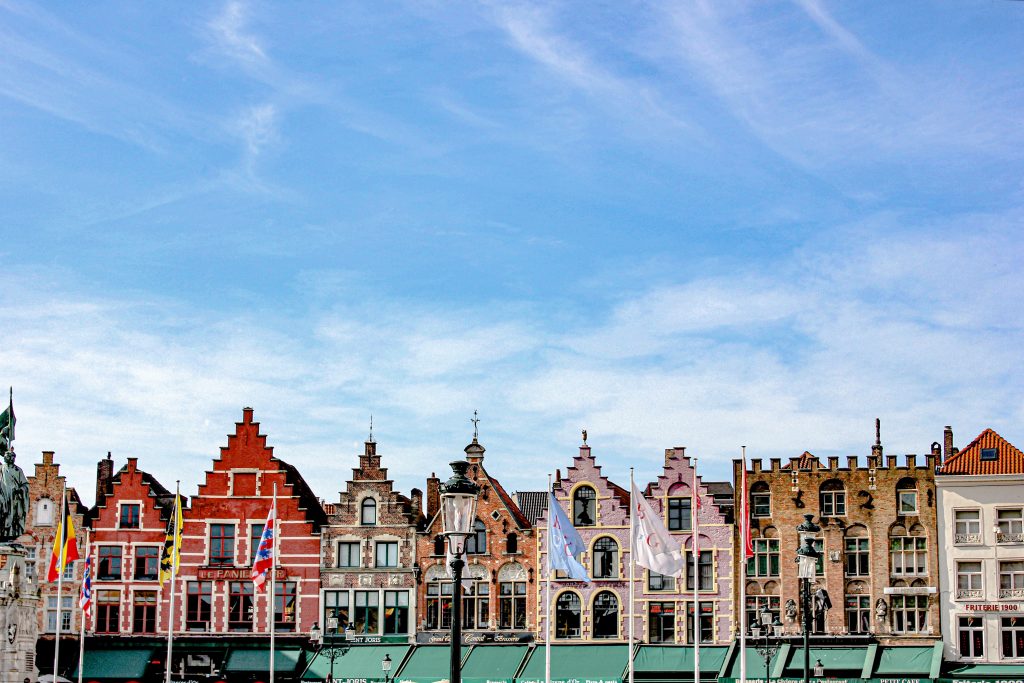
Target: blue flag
{"x":564,"y":543}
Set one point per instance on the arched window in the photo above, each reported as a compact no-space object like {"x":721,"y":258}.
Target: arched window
{"x":476,"y":543}
{"x":606,"y":615}
{"x":439,"y":545}
{"x":606,"y":558}
{"x":760,"y":500}
{"x":832,"y":497}
{"x":584,"y":507}
{"x":567,"y":616}
{"x":906,"y":497}
{"x":512,"y":544}
{"x":44,"y":512}
{"x":368,"y":512}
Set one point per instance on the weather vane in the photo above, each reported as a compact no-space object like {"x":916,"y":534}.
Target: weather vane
{"x":584,"y":437}
{"x":476,"y":426}
{"x":371,"y":428}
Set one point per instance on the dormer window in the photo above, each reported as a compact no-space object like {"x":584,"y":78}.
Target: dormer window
{"x":989,"y":454}
{"x":906,"y":497}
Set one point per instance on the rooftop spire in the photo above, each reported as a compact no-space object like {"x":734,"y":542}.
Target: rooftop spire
{"x":371,"y":429}
{"x":476,"y":426}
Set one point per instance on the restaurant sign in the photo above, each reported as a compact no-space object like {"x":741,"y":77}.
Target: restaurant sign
{"x":233,"y":574}
{"x":475,"y":637}
{"x":993,"y":607}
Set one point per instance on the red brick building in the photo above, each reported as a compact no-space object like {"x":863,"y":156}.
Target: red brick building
{"x":128,"y":524}
{"x":223,"y":525}
{"x":500,"y":568}
{"x":369,"y":550}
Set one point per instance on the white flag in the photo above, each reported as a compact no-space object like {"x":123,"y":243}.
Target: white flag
{"x":653,"y":547}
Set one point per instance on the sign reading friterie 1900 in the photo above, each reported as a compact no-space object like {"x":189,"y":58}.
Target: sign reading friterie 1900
{"x":993,"y":607}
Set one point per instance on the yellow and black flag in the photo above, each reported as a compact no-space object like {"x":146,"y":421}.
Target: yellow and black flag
{"x":170,"y":558}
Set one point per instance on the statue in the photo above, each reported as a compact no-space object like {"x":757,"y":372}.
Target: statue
{"x":14,"y":500}
{"x":881,"y":609}
{"x":791,"y":610}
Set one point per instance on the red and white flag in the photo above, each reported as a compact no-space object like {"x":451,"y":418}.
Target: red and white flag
{"x":653,"y":546}
{"x":748,"y":544}
{"x":264,"y":560}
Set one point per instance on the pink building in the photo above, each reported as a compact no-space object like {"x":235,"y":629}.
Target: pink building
{"x":663,"y":608}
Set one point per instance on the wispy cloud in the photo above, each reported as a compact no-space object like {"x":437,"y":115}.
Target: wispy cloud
{"x":802,"y":355}
{"x":230,"y":31}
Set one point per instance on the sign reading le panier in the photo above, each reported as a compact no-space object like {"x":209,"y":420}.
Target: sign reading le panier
{"x":234,"y":574}
{"x":476,"y":637}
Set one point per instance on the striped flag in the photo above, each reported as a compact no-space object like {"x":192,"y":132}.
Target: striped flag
{"x":85,"y":600}
{"x":748,"y":544}
{"x":264,"y":560}
{"x":65,"y":548}
{"x":170,"y":557}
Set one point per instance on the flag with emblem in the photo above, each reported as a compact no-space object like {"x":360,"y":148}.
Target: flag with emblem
{"x":653,"y":546}
{"x":263,"y":563}
{"x":85,"y":599}
{"x":65,"y":547}
{"x":170,"y":557}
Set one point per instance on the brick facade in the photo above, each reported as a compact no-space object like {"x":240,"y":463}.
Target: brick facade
{"x":44,"y":489}
{"x":880,"y":564}
{"x":222,"y":529}
{"x":369,"y":566}
{"x":502,"y":557}
{"x":129,"y":525}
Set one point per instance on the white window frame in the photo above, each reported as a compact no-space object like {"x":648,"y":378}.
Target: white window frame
{"x":967,"y":531}
{"x":831,"y":501}
{"x":920,"y":569}
{"x":969,"y":584}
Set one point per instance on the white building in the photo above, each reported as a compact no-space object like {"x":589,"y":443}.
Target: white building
{"x":980,"y":495}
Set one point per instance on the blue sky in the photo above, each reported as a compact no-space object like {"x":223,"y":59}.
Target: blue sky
{"x":708,"y":224}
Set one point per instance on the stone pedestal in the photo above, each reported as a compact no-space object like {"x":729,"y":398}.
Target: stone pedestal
{"x":19,"y":606}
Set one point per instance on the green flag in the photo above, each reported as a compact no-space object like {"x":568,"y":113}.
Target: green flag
{"x":7,"y":421}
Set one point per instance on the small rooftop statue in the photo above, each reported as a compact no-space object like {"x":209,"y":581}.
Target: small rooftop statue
{"x":14,"y":498}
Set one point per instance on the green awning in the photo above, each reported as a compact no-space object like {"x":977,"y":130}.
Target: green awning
{"x":834,"y":659}
{"x":361,"y":662}
{"x":654,"y":661}
{"x":988,"y":671}
{"x":904,"y":661}
{"x":493,"y":663}
{"x":258,"y":659}
{"x":119,"y":663}
{"x":427,"y":664}
{"x":580,"y":663}
{"x":755,"y":663}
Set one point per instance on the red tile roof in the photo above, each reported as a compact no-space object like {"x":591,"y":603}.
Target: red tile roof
{"x":803,"y":462}
{"x":1009,"y":459}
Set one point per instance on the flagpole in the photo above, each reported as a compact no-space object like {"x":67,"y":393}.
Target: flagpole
{"x":740,"y":568}
{"x":547,"y":599}
{"x":632,"y":537}
{"x":271,"y":601}
{"x":63,"y":531}
{"x":81,"y":631}
{"x":174,"y":575}
{"x":696,"y":577}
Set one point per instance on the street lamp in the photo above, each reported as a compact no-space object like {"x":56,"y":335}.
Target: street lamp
{"x":819,"y":669}
{"x":766,"y":627}
{"x":458,"y":515}
{"x":336,"y":647}
{"x":385,"y":666}
{"x":807,"y":559}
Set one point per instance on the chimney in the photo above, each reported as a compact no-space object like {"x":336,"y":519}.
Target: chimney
{"x":47,"y":457}
{"x":433,"y":496}
{"x":876,"y":450}
{"x":416,"y":497}
{"x":947,"y":442}
{"x":104,"y":473}
{"x":247,"y":415}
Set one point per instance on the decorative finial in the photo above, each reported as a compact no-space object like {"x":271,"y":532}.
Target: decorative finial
{"x":476,"y":425}
{"x":371,"y":428}
{"x":878,"y":432}
{"x":584,"y":437}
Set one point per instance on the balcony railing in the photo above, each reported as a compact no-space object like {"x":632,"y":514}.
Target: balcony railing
{"x":969,"y":594}
{"x":1009,"y":538}
{"x":967,"y":539}
{"x":1011,"y":593}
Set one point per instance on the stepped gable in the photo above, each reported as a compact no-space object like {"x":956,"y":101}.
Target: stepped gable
{"x":1008,"y":458}
{"x":585,"y":468}
{"x":164,"y":499}
{"x":804,"y":461}
{"x":247,"y":449}
{"x":370,"y":475}
{"x":677,"y":479}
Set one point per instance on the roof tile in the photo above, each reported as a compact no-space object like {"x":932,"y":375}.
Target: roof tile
{"x":1009,"y":459}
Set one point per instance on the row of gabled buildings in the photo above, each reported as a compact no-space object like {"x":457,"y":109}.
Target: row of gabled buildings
{"x":914,"y":552}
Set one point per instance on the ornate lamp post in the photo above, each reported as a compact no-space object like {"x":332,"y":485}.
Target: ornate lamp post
{"x":458,"y":515}
{"x":385,"y":666}
{"x":336,"y":646}
{"x":807,"y":559}
{"x":819,"y":669}
{"x":766,"y":633}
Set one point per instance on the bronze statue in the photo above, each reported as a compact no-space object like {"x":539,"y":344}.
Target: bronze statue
{"x":13,"y":499}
